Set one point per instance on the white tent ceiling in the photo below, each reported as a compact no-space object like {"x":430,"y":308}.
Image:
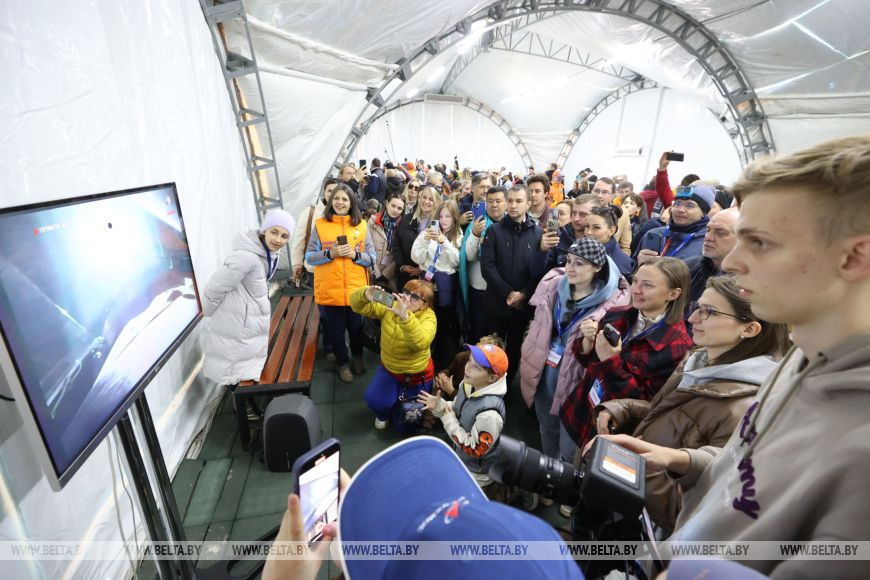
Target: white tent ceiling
{"x":806,"y":60}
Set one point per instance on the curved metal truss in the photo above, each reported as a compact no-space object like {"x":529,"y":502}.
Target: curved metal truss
{"x":513,"y":39}
{"x":744,"y":119}
{"x":469,"y":103}
{"x":594,"y":112}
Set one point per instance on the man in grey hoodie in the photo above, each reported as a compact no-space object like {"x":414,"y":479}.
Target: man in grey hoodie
{"x":798,"y":466}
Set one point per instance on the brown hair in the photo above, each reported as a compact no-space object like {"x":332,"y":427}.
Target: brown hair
{"x":638,"y":200}
{"x":771,"y":341}
{"x":837,"y":173}
{"x":424,"y":289}
{"x":455,"y":232}
{"x":539,"y":178}
{"x":493,"y":339}
{"x":354,"y":212}
{"x":677,"y":274}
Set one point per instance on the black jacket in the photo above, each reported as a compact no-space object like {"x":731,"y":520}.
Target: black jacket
{"x":403,"y":239}
{"x":510,"y":260}
{"x":701,"y":269}
{"x":377,"y":186}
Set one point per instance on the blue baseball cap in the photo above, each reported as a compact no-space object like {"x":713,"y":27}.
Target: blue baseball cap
{"x":418,"y":490}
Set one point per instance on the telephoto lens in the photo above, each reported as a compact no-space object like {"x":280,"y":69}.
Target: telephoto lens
{"x":530,"y":470}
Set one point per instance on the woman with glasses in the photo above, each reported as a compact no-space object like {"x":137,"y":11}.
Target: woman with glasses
{"x":601,"y":225}
{"x":407,"y":231}
{"x":407,"y":330}
{"x":412,"y":190}
{"x":703,"y":401}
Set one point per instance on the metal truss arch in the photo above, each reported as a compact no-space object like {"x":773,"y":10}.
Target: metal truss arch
{"x":488,"y":112}
{"x":743,"y":118}
{"x":597,"y":110}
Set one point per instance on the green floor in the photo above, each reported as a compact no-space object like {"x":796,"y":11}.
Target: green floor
{"x":227,"y":493}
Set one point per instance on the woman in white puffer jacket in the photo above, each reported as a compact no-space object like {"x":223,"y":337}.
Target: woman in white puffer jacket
{"x":236,"y":299}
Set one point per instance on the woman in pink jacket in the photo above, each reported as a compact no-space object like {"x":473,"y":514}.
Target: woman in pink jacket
{"x":587,"y":287}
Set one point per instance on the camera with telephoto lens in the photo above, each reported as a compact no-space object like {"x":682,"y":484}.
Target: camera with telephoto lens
{"x":607,"y":491}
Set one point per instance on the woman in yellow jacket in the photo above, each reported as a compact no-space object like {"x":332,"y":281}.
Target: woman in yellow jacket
{"x":341,"y":251}
{"x":407,"y":330}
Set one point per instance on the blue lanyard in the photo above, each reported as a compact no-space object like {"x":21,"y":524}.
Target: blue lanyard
{"x":437,"y":255}
{"x":671,"y":252}
{"x":645,"y":333}
{"x":577,"y":317}
{"x":273,"y":264}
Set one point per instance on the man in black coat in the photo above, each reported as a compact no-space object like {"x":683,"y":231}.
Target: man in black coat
{"x":511,"y":256}
{"x":376,"y":188}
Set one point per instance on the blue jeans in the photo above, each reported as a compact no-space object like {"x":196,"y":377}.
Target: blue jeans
{"x":382,"y":394}
{"x":555,"y":441}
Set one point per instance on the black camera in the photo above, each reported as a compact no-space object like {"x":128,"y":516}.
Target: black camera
{"x":608,"y":490}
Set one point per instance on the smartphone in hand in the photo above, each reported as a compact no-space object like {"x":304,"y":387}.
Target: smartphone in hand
{"x":341,"y":240}
{"x":317,"y":478}
{"x":671,"y":156}
{"x":478,"y":209}
{"x":383,"y":297}
{"x":611,"y":334}
{"x":553,"y":224}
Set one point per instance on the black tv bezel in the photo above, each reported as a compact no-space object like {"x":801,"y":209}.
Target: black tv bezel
{"x":59,"y":478}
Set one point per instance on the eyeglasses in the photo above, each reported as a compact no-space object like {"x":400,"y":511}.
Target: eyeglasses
{"x":705,"y":312}
{"x":412,"y":295}
{"x":599,"y":191}
{"x":414,"y":187}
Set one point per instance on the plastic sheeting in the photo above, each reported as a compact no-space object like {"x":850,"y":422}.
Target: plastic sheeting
{"x":436,"y":133}
{"x":676,"y":123}
{"x":103,"y":96}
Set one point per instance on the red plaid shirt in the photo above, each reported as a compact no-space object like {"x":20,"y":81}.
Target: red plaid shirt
{"x":638,"y":372}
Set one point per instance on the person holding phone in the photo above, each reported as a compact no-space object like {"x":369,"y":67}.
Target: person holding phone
{"x":683,"y":236}
{"x":436,"y":251}
{"x":587,"y":288}
{"x":406,"y":233}
{"x":341,"y":251}
{"x":408,"y":328}
{"x":654,"y":340}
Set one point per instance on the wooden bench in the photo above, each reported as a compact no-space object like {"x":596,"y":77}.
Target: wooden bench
{"x":293,"y":333}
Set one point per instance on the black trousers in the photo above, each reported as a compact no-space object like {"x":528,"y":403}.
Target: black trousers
{"x":512,"y":329}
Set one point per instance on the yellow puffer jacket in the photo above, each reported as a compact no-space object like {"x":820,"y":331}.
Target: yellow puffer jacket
{"x":335,"y":279}
{"x":404,"y":343}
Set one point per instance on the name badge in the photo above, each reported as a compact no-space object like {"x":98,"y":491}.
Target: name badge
{"x":430,"y":273}
{"x":554,"y":356}
{"x":596,"y":393}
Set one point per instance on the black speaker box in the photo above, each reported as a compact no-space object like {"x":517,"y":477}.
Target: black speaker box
{"x":291,"y":427}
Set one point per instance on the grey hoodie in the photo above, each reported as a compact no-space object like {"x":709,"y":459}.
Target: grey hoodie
{"x":752,"y":370}
{"x":796,"y":469}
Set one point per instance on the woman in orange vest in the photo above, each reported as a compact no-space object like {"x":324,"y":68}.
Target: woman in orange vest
{"x":341,"y":251}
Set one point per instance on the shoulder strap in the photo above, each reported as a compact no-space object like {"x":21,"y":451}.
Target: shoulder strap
{"x":308,"y":227}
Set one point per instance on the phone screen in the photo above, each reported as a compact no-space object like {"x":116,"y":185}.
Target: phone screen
{"x":318,"y":492}
{"x":341,"y":240}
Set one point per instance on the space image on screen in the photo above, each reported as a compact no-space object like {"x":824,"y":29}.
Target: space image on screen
{"x":95,"y":294}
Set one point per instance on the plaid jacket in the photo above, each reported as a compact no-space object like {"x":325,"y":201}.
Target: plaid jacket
{"x":638,"y":372}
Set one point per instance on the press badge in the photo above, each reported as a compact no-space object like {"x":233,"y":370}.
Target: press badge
{"x":596,"y":393}
{"x":430,"y":273}
{"x":555,"y":353}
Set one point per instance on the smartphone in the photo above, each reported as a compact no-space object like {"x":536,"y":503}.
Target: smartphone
{"x":553,"y":224}
{"x":383,"y":297}
{"x":435,"y":226}
{"x":478,"y":208}
{"x":671,"y":156}
{"x":317,"y":477}
{"x":341,"y":240}
{"x":362,"y":163}
{"x":611,"y":334}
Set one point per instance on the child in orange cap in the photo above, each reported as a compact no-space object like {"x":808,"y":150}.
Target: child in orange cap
{"x":475,"y":418}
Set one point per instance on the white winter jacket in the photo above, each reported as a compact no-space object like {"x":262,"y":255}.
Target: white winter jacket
{"x":237,"y":300}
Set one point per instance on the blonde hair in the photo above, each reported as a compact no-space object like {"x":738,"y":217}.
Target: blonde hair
{"x":836,"y":173}
{"x":435,"y":199}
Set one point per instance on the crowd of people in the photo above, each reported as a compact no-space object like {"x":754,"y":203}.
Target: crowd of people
{"x":676,"y":322}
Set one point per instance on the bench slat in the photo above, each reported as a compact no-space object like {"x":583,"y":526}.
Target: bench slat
{"x":274,"y":361}
{"x":306,"y":367}
{"x":276,"y":317}
{"x":299,"y":327}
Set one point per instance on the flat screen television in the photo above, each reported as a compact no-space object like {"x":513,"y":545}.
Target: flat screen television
{"x":96,"y":293}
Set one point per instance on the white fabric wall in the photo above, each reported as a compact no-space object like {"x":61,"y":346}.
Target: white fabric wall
{"x":101,"y":96}
{"x":436,"y":132}
{"x":684,"y":125}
